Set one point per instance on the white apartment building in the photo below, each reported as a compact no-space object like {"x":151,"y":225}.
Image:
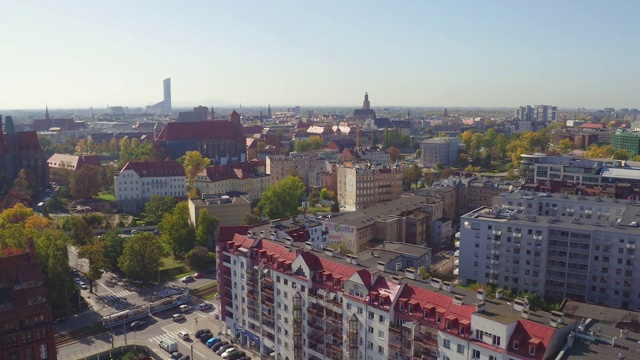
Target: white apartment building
{"x":284,"y":298}
{"x":442,"y":150}
{"x":560,"y":246}
{"x":138,"y":181}
{"x":240,"y":178}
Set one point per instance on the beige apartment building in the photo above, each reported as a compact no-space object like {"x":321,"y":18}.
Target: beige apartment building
{"x":306,"y":165}
{"x":246,"y":179}
{"x":361,"y":186}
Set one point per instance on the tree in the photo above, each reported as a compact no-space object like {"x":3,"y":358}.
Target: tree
{"x":283,"y":198}
{"x":80,"y":232}
{"x":113,"y":249}
{"x":200,"y":258}
{"x":157,"y":207}
{"x":594,"y":151}
{"x":335,"y":207}
{"x":94,"y":220}
{"x":206,"y":229}
{"x":142,"y":256}
{"x":194,"y":162}
{"x":177,"y":231}
{"x":394,"y":154}
{"x":564,"y":146}
{"x":86,"y":182}
{"x":53,"y":257}
{"x":250,"y":219}
{"x":324,"y":194}
{"x":621,"y":155}
{"x":94,"y":252}
{"x":410,"y":176}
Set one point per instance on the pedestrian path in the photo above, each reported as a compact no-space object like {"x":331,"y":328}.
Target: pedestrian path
{"x":165,"y":336}
{"x":115,"y":296}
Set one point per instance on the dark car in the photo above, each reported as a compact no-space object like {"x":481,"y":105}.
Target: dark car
{"x":59,"y":320}
{"x":244,"y":357}
{"x":236,"y":356}
{"x":136,"y":325}
{"x":217,"y":346}
{"x":205,"y":337}
{"x":200,"y":332}
{"x":175,"y":355}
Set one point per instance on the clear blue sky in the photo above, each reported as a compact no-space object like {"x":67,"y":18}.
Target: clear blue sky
{"x":413,"y":53}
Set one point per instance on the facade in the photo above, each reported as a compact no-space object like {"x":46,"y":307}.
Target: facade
{"x":72,"y":162}
{"x":366,"y":112}
{"x":361,"y":185}
{"x":309,"y":166}
{"x":246,"y":178}
{"x":284,"y":298}
{"x":57,"y":124}
{"x":166,"y":90}
{"x":546,"y":114}
{"x":21,"y":150}
{"x":26,"y":323}
{"x":221,"y":141}
{"x":440,"y":151}
{"x":138,"y":181}
{"x":557,"y":245}
{"x":627,"y":141}
{"x":230,"y":211}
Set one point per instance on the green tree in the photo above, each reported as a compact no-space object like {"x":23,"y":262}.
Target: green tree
{"x":113,"y":248}
{"x":410,"y":176}
{"x":94,"y":252}
{"x":193,"y":162}
{"x":283,"y":198}
{"x":621,"y":155}
{"x":564,"y":146}
{"x":201,"y":258}
{"x":594,"y":151}
{"x":325,"y":194}
{"x":157,"y":207}
{"x":335,"y":207}
{"x":80,"y":232}
{"x":53,"y":257}
{"x":394,"y":154}
{"x":176,"y":230}
{"x":142,"y":256}
{"x":250,"y":219}
{"x":206,"y":229}
{"x":86,"y":182}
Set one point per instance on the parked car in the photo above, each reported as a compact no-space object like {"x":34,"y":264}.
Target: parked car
{"x":198,"y":275}
{"x":200,"y":332}
{"x":136,"y":325}
{"x":229,"y":352}
{"x":205,"y":306}
{"x":236,"y":356}
{"x":185,"y":308}
{"x":59,"y":320}
{"x":178,"y":317}
{"x":133,"y":232}
{"x":223,"y":349}
{"x":205,"y":337}
{"x":212,"y":341}
{"x":217,"y":346}
{"x":83,"y":286}
{"x":176,"y":355}
{"x":183,"y":335}
{"x":188,"y":278}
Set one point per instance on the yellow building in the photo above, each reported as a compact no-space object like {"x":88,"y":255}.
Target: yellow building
{"x":361,"y":186}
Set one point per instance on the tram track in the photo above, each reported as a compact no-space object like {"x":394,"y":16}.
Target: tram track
{"x":75,"y":336}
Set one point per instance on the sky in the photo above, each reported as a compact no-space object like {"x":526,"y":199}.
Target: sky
{"x":80,"y":54}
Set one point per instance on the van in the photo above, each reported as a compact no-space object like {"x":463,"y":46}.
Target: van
{"x":183,"y":335}
{"x":185,"y":308}
{"x":178,"y":317}
{"x":169,"y":345}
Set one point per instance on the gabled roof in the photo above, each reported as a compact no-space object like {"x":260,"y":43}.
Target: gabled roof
{"x":242,"y":170}
{"x":250,"y":130}
{"x":28,"y":139}
{"x":592,"y":126}
{"x":530,"y":333}
{"x":227,"y":233}
{"x":312,"y":261}
{"x":74,"y":162}
{"x":156,"y":168}
{"x":384,"y":286}
{"x":199,"y":131}
{"x":337,"y":269}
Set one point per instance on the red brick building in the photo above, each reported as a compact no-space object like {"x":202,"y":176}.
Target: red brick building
{"x":26,"y":328}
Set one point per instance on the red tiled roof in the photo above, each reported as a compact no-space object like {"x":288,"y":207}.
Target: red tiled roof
{"x":279,"y":251}
{"x":155,"y":168}
{"x":312,"y":261}
{"x":243,"y":170}
{"x":198,"y":131}
{"x":529,"y":332}
{"x":28,"y":139}
{"x":338,"y":269}
{"x":592,"y":126}
{"x":443,"y":304}
{"x":255,"y":129}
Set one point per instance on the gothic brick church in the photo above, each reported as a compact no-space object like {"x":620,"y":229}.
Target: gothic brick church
{"x":21,"y":150}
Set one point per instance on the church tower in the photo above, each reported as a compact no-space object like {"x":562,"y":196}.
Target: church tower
{"x":213,"y":115}
{"x":365,"y":103}
{"x":269,"y":111}
{"x":46,"y":112}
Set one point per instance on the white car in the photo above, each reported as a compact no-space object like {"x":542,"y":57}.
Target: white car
{"x":83,"y":286}
{"x":183,"y":335}
{"x":229,"y":352}
{"x":188,"y":278}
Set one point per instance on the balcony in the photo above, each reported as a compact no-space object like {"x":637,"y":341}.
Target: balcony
{"x":317,"y":339}
{"x":537,"y":237}
{"x":495,"y":242}
{"x":267,"y":303}
{"x":394,"y":328}
{"x":495,"y":252}
{"x":335,"y":320}
{"x":393,"y":345}
{"x":516,"y":235}
{"x":495,"y":262}
{"x":315,"y":325}
{"x":314,"y":312}
{"x":497,"y":232}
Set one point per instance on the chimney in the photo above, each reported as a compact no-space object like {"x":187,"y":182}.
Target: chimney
{"x":447,"y":286}
{"x":499,"y":293}
{"x":329,"y":252}
{"x":518,"y":304}
{"x":557,"y":318}
{"x":32,"y":250}
{"x":381,"y":265}
{"x":458,"y":299}
{"x":481,"y":295}
{"x":480,"y":306}
{"x":525,"y":313}
{"x":272,"y":236}
{"x":308,"y":245}
{"x":436,"y":283}
{"x":410,"y":273}
{"x":354,"y":260}
{"x":289,"y":240}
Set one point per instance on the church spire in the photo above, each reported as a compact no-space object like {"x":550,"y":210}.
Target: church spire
{"x":46,"y":112}
{"x":213,"y":115}
{"x":365,"y":103}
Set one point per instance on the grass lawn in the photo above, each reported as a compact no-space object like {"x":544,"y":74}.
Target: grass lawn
{"x":106,"y":197}
{"x":173,"y":268}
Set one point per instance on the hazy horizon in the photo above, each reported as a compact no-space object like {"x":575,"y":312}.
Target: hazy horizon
{"x":463,"y":54}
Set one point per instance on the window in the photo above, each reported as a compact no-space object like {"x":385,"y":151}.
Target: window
{"x":532,"y":350}
{"x":460,"y":348}
{"x":516,"y":345}
{"x":43,"y":352}
{"x":446,"y":343}
{"x":381,"y":319}
{"x":476,"y":354}
{"x":348,"y":306}
{"x":371,"y":315}
{"x":360,"y":311}
{"x":381,"y":334}
{"x":370,"y":329}
{"x":479,"y":334}
{"x":381,"y":349}
{"x":491,"y":357}
{"x":496,"y":340}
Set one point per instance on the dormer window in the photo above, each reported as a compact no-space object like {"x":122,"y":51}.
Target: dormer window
{"x":426,"y":314}
{"x":516,"y":345}
{"x":438,"y":318}
{"x":324,"y":279}
{"x":462,"y":330}
{"x":410,"y":309}
{"x":381,"y":302}
{"x":532,"y":350}
{"x":448,"y":325}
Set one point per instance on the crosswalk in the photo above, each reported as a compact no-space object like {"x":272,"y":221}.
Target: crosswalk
{"x":115,"y":296}
{"x":167,"y":336}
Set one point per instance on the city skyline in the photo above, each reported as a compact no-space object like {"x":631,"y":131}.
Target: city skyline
{"x":420,"y":54}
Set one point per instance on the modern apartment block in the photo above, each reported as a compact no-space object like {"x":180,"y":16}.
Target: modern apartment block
{"x":557,"y":245}
{"x":26,"y":323}
{"x":537,"y":167}
{"x":138,"y":181}
{"x":361,"y":185}
{"x":284,"y":298}
{"x":308,"y":166}
{"x":627,"y":141}
{"x":442,"y":150}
